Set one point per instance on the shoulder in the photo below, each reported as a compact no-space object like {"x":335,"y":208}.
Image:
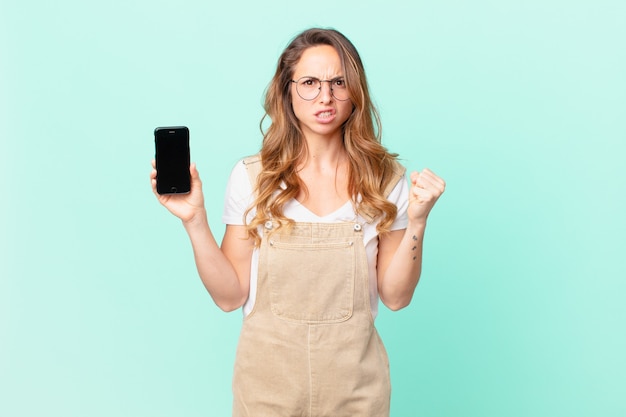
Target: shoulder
{"x":247,"y":168}
{"x":252,"y":159}
{"x":239,"y":173}
{"x":239,"y":195}
{"x":253,"y":167}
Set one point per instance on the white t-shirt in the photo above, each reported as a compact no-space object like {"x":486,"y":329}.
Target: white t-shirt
{"x":239,"y":197}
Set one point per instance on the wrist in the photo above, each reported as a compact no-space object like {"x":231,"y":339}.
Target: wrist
{"x":416,"y":226}
{"x":197,"y":219}
{"x":415,"y":231}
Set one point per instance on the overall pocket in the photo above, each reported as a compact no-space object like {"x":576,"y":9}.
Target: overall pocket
{"x":312,"y":282}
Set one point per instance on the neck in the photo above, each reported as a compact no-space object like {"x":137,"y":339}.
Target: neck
{"x":323,"y":151}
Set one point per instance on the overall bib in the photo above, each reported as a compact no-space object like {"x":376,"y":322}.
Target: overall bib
{"x":309,"y":346}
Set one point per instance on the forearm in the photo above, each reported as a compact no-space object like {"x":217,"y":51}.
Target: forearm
{"x":215,"y":270}
{"x":400,"y":255}
{"x":401,"y":275}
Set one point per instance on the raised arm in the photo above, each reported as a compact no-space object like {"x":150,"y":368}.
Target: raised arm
{"x":400,"y":251}
{"x":225,"y":271}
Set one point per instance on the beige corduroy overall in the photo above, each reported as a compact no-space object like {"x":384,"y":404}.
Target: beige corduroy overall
{"x":309,"y":346}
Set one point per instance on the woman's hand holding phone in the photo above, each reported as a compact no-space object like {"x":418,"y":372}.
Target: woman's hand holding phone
{"x":187,"y":207}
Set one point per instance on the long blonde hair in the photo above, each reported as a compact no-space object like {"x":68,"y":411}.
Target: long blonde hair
{"x":370,"y":164}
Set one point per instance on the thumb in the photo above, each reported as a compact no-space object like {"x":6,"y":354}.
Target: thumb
{"x":193,"y":170}
{"x":196,"y":183}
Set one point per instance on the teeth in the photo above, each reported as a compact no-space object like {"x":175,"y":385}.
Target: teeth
{"x":325,"y":114}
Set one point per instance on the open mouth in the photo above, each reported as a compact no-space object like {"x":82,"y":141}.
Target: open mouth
{"x":326,"y":115}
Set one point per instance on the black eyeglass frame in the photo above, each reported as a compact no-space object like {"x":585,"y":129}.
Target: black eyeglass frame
{"x":332,"y":93}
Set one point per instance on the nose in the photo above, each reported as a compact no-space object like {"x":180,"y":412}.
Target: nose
{"x":326,"y":94}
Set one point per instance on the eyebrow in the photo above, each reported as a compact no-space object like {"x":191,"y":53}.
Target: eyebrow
{"x":318,"y":78}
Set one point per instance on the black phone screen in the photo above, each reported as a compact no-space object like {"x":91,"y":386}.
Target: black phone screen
{"x":172,"y":160}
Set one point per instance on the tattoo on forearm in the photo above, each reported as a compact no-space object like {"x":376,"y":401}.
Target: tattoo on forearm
{"x":414,"y":237}
{"x":414,"y":247}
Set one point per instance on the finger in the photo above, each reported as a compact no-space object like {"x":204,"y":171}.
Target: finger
{"x":154,"y":188}
{"x":433,"y":177}
{"x":153,"y":174}
{"x":427,"y":173}
{"x":424,"y":195}
{"x":429,"y":180}
{"x":426,"y":181}
{"x":153,"y":181}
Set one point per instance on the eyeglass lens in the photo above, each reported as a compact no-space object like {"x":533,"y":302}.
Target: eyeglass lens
{"x":309,"y":88}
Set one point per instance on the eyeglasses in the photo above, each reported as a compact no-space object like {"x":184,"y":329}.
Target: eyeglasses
{"x":309,"y":88}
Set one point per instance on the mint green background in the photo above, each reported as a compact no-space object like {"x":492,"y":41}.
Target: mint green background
{"x":519,"y":105}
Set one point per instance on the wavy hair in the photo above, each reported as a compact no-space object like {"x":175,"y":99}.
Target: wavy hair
{"x":370,"y":164}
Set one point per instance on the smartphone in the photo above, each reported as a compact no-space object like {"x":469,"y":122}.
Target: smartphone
{"x":172,"y":160}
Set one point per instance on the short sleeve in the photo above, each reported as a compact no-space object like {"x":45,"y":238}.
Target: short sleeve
{"x":238,"y":196}
{"x":400,"y":197}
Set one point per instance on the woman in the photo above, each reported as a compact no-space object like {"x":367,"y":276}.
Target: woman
{"x":320,"y":225}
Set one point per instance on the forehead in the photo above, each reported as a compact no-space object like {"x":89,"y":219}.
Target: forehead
{"x":321,"y":61}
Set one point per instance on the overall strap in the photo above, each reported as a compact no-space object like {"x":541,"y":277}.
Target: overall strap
{"x":398,"y":174}
{"x":253,"y":166}
{"x":394,"y":179}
